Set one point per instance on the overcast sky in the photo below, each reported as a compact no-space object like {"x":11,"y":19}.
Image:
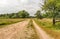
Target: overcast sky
{"x":12,"y":6}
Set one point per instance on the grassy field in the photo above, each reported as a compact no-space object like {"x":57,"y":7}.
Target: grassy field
{"x":4,"y":22}
{"x":46,"y":24}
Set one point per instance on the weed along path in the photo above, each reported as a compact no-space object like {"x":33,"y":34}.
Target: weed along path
{"x":14,"y":31}
{"x":41,"y":33}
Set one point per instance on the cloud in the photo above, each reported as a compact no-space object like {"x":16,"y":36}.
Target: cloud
{"x":10,"y":6}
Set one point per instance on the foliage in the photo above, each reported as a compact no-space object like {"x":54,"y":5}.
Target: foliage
{"x":53,"y":7}
{"x":38,"y":14}
{"x":20,"y":14}
{"x":23,"y":14}
{"x":47,"y":15}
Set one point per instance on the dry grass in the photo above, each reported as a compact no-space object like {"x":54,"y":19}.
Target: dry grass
{"x":14,"y":31}
{"x":54,"y":34}
{"x":4,"y":22}
{"x":46,"y":24}
{"x":32,"y":31}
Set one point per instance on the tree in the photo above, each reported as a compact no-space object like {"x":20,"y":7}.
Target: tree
{"x":23,"y":14}
{"x":20,"y":14}
{"x":47,"y":15}
{"x":38,"y":14}
{"x":53,"y":7}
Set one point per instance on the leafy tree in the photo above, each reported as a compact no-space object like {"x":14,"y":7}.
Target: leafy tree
{"x":23,"y":14}
{"x":38,"y":14}
{"x":47,"y":15}
{"x":53,"y":6}
{"x":20,"y":14}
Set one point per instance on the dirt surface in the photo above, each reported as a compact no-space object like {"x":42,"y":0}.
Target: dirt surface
{"x":14,"y":31}
{"x":41,"y":33}
{"x":21,"y":30}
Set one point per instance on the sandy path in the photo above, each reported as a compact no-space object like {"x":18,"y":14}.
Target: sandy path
{"x":13,"y":30}
{"x":41,"y":33}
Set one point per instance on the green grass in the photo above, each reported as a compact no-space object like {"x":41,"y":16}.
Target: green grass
{"x":47,"y":25}
{"x":4,"y":22}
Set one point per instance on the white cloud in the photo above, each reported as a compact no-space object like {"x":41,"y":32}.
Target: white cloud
{"x":3,"y":3}
{"x":24,"y":1}
{"x":10,"y":6}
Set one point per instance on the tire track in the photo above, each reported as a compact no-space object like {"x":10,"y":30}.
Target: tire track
{"x":41,"y":33}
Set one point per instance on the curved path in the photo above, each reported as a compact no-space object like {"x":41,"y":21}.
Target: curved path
{"x":13,"y":31}
{"x":41,"y":33}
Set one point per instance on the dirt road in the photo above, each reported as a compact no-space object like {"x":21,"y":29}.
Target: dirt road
{"x":13,"y":31}
{"x":22,"y":31}
{"x":41,"y":33}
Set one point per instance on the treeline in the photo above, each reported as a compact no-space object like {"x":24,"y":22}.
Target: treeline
{"x":20,"y":14}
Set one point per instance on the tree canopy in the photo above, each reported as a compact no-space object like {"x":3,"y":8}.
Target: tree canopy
{"x":52,"y":6}
{"x":38,"y":14}
{"x":20,"y":14}
{"x":23,"y":14}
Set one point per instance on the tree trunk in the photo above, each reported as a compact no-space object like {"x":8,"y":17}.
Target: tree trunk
{"x":53,"y":21}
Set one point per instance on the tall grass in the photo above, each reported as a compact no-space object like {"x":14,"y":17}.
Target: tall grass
{"x":46,"y":24}
{"x":4,"y":22}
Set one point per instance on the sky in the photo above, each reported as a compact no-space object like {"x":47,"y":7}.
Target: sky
{"x":13,"y":6}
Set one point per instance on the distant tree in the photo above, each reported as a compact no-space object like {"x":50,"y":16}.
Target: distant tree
{"x":23,"y":14}
{"x":11,"y":15}
{"x":38,"y":14}
{"x":20,"y":14}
